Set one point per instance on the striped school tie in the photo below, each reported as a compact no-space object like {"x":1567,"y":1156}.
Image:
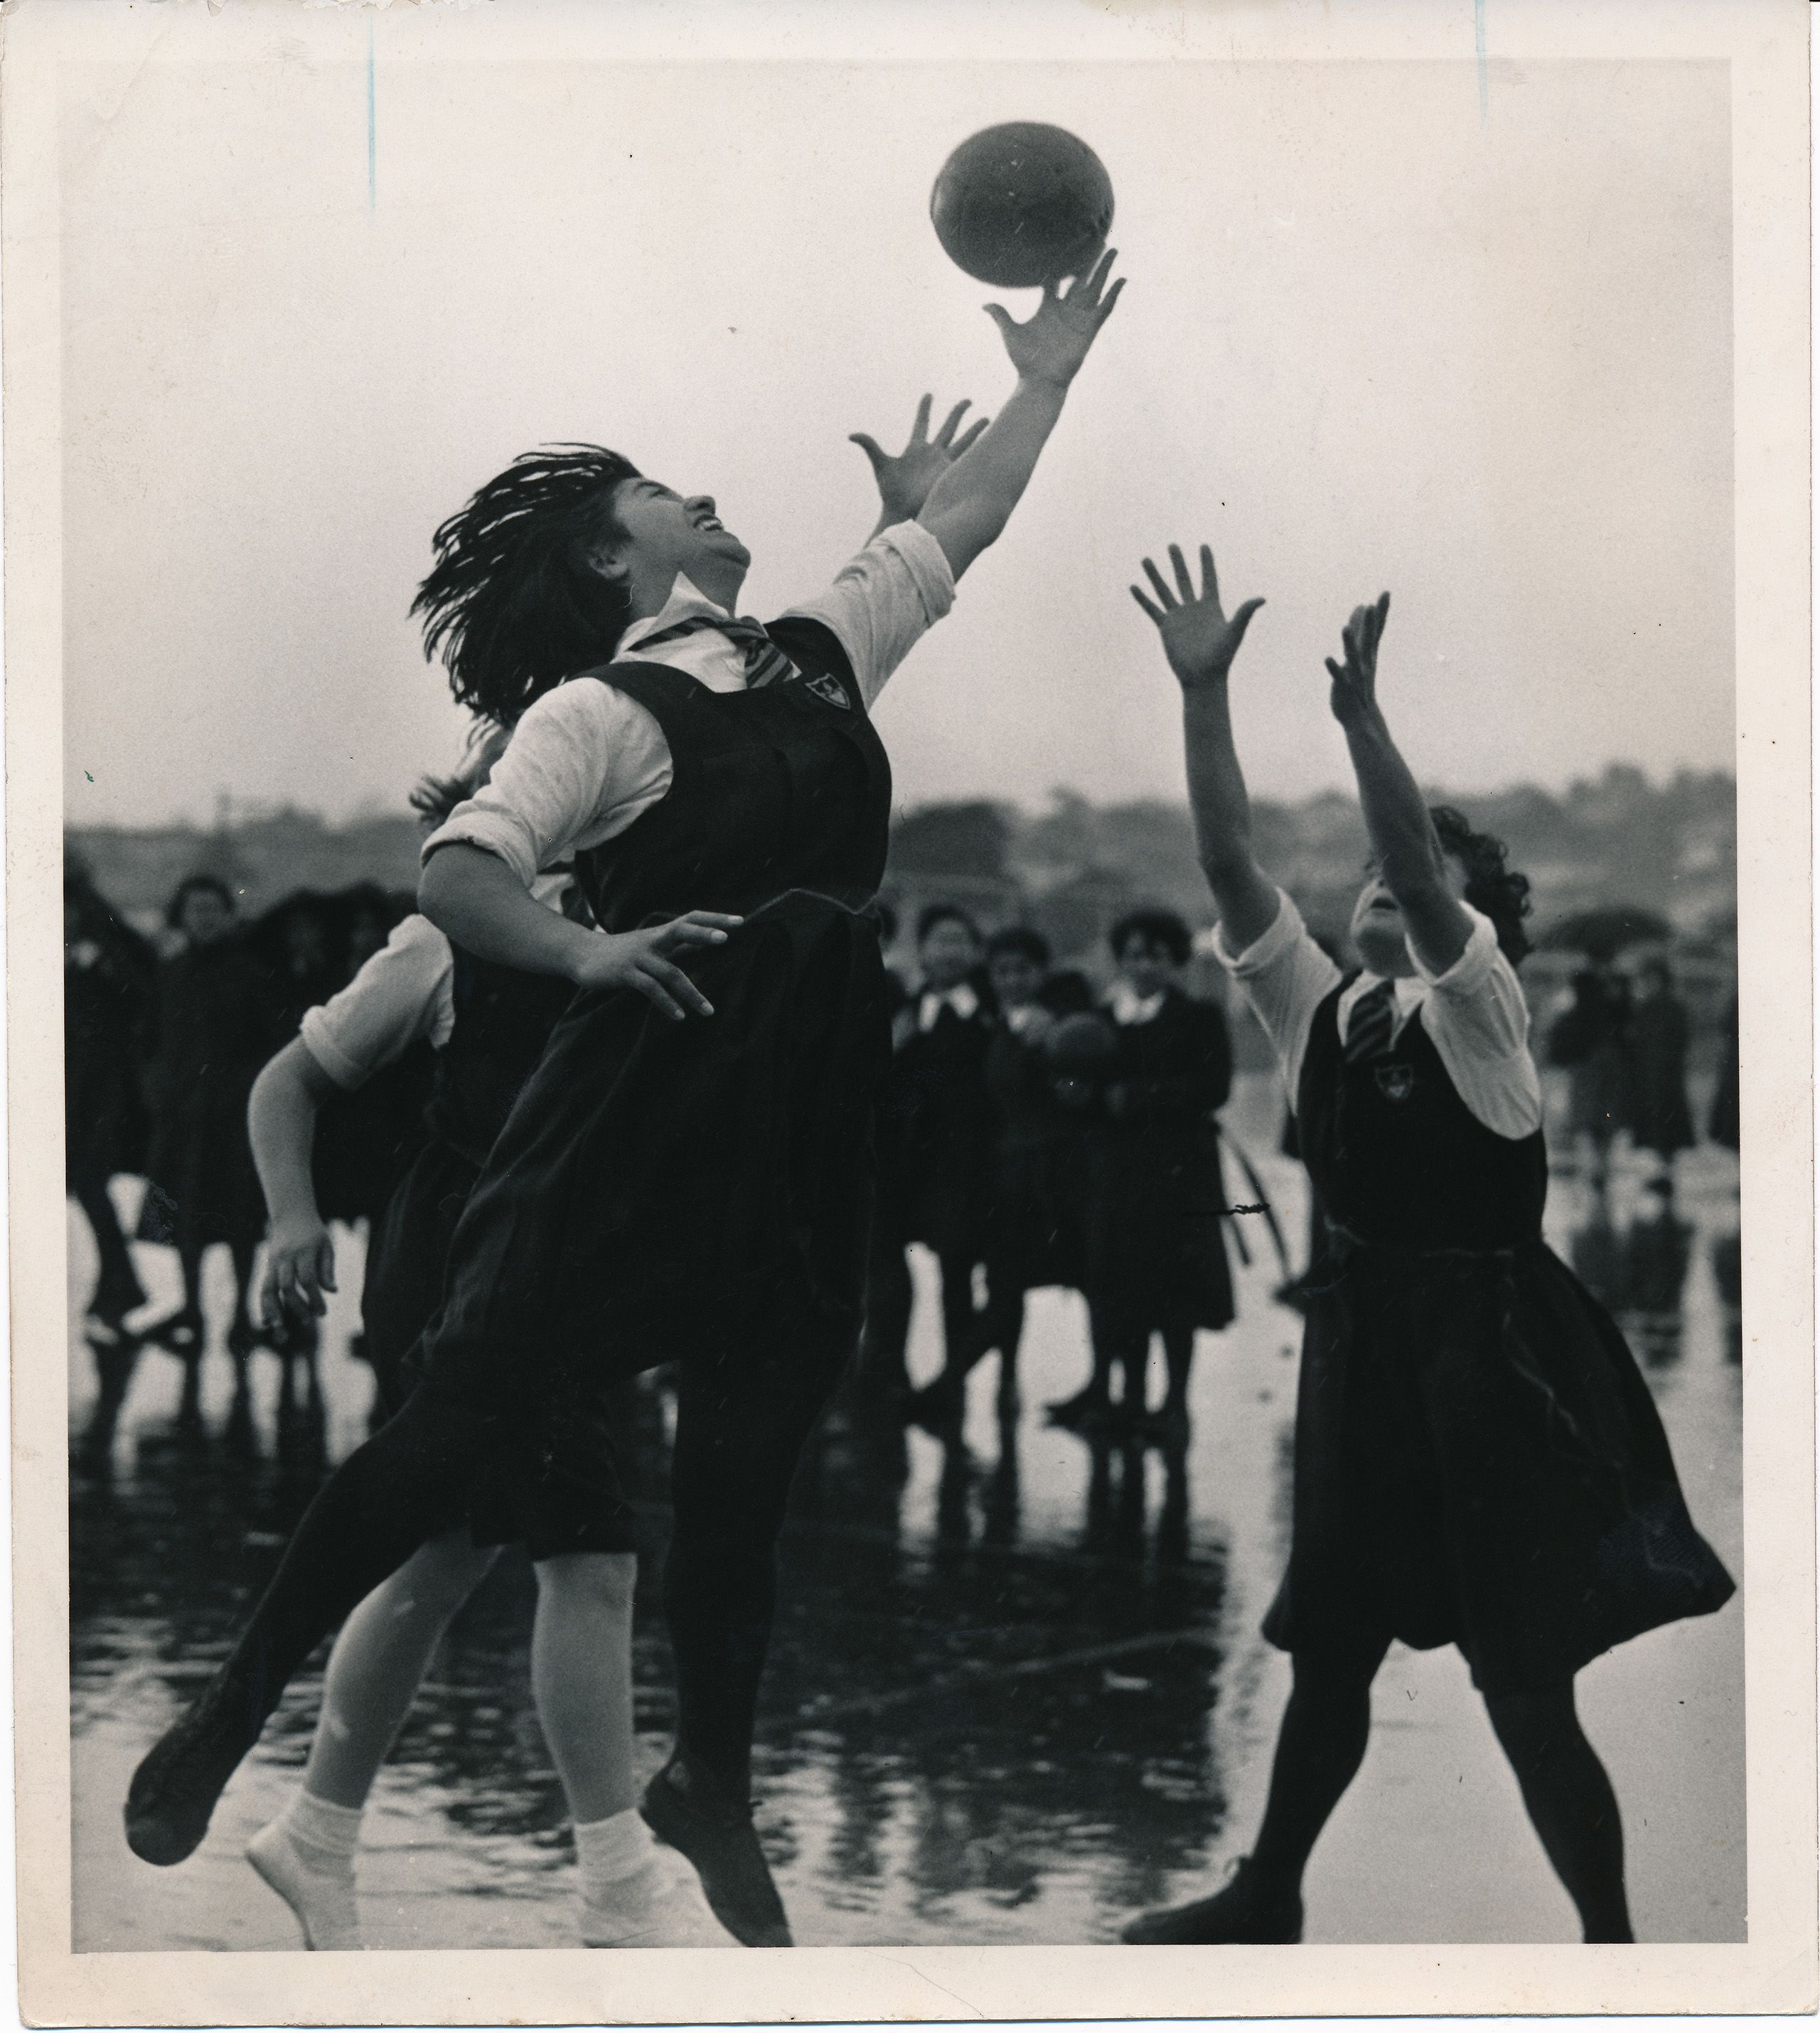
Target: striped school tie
{"x":766,"y":663}
{"x":1373,"y":1023}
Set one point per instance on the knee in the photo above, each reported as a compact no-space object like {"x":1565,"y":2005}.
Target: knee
{"x":603,"y":1582}
{"x":1533,"y":1723}
{"x":441,"y":1576}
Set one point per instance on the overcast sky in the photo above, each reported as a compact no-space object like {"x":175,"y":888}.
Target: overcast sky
{"x":1374,"y":337}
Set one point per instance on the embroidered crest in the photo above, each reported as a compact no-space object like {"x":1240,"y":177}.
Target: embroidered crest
{"x":1396,"y":1081}
{"x":824,"y":686}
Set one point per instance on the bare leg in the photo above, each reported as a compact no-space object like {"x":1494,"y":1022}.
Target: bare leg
{"x":582,"y":1676}
{"x":382,"y":1652}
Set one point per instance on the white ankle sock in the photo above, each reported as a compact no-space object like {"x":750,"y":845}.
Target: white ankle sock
{"x":610,"y":1851}
{"x":324,"y":1836}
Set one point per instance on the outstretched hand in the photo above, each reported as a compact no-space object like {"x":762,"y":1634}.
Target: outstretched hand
{"x":1052,"y":342}
{"x":1199,"y":639}
{"x":1354,"y":693}
{"x":904,"y":482}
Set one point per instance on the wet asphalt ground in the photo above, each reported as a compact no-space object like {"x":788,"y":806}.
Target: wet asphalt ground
{"x":1017,"y":1691}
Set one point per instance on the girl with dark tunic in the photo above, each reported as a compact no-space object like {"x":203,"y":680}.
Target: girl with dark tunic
{"x":1156,"y":1241}
{"x":487,"y":1027}
{"x":1661,"y":1120}
{"x":1478,"y":1461}
{"x":214,"y":1029}
{"x":686,"y":1175}
{"x":1592,"y":1039}
{"x":1032,"y":1230}
{"x":938,"y":1080}
{"x":109,"y":973}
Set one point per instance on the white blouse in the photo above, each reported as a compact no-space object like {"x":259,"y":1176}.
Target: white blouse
{"x":586,"y":760}
{"x":1475,"y":1012}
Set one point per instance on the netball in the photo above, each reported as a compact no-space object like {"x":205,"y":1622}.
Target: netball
{"x":1022,"y":203}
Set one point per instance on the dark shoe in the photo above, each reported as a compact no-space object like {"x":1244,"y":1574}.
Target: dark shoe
{"x":1169,"y":1428}
{"x":1243,"y":1910}
{"x":716,"y":1834}
{"x":1080,"y":1410}
{"x":180,"y":1779}
{"x":937,"y":1407}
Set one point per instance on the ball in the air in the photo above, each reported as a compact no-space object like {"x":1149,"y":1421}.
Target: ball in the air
{"x":1082,"y":1047}
{"x":1022,"y":203}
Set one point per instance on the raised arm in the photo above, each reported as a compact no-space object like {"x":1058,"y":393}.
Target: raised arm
{"x":1396,"y":814}
{"x":1200,"y":642}
{"x":971,"y":503}
{"x":904,"y":482}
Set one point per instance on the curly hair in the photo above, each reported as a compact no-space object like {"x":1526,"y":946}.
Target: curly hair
{"x":1023,"y":940}
{"x":1501,"y":892}
{"x":932,"y":914}
{"x":1158,"y":928}
{"x":514,"y":603}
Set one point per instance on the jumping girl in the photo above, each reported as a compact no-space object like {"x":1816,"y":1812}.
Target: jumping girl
{"x":686,"y":1176}
{"x":1478,"y":1461}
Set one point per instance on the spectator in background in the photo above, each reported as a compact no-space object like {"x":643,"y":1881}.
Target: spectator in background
{"x":1722,"y":1124}
{"x":947,"y":1115}
{"x":214,"y":1022}
{"x":109,"y":977}
{"x":1591,"y":1040}
{"x":1034,"y":1228}
{"x":1661,"y":1120}
{"x":1156,"y":1242}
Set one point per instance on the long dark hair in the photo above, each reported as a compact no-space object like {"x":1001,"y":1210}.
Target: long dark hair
{"x":514,"y":604}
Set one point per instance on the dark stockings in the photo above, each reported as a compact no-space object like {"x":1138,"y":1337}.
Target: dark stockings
{"x":117,"y":1289}
{"x":1321,"y":1744}
{"x":1569,"y":1802}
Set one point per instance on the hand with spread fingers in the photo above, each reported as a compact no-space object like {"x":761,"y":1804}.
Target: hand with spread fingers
{"x":645,"y":961}
{"x":904,"y":480}
{"x":1199,"y":638}
{"x":1354,"y":694}
{"x":1052,"y":342}
{"x":299,"y":1268}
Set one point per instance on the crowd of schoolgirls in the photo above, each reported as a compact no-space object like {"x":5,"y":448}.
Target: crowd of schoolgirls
{"x":1035,"y":1133}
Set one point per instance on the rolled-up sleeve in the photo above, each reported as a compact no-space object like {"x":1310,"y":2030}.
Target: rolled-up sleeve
{"x":1285,"y":975}
{"x":401,"y":994}
{"x":583,"y":762}
{"x":885,"y":600}
{"x":1479,"y":1019}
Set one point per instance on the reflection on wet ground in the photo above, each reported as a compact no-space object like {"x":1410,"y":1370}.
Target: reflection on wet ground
{"x":1017,"y":1690}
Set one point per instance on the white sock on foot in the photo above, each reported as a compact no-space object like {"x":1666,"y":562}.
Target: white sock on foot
{"x":635,"y":1895}
{"x":306,"y":1856}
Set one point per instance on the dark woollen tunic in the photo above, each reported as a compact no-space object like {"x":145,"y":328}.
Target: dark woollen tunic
{"x":1036,"y":1224}
{"x":938,"y":1084}
{"x":1478,"y":1461}
{"x":698,"y":1190}
{"x":503,"y":1021}
{"x":1158,"y":1243}
{"x":214,"y":1018}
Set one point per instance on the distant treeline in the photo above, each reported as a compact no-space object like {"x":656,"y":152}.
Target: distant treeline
{"x":1665,"y":852}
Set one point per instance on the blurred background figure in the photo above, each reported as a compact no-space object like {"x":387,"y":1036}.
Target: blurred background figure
{"x":213,"y":1025}
{"x":1722,"y":1122}
{"x":879,"y":1376}
{"x":1661,"y":1120}
{"x":947,"y":1117}
{"x":1590,"y":1038}
{"x":109,"y":976}
{"x":1156,"y":1234}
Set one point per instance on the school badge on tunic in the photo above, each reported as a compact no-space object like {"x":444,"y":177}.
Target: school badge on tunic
{"x":1396,"y":1082}
{"x":824,"y":686}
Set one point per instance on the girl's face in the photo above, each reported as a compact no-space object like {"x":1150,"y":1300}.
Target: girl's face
{"x":666,"y":535}
{"x":949,"y":953}
{"x":205,"y":918}
{"x":1378,"y":930}
{"x":1148,"y":965}
{"x":1016,"y":980}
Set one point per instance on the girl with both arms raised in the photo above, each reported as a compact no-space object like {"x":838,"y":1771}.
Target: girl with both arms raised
{"x":686,"y":1175}
{"x":1478,"y":1461}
